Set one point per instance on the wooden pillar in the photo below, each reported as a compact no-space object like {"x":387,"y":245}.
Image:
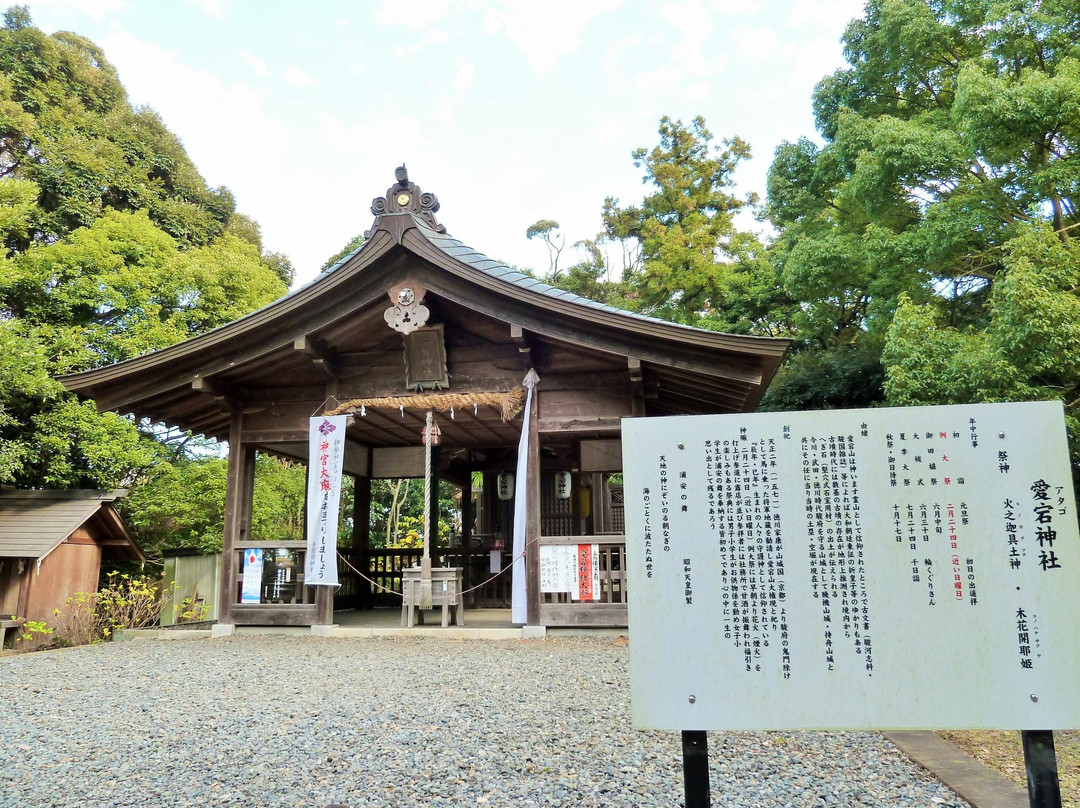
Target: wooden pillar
{"x":599,"y":498}
{"x":361,"y":530}
{"x":466,"y":529}
{"x":575,"y":492}
{"x":361,"y":536}
{"x":324,"y":604}
{"x":239,"y":493}
{"x":532,"y":520}
{"x":324,"y":595}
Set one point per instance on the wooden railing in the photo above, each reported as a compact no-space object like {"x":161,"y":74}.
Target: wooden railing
{"x":384,"y":566}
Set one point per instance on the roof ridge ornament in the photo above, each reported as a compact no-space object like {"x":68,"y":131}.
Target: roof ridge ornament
{"x":405,"y":197}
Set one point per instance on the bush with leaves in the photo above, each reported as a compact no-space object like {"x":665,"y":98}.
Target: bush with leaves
{"x":125,"y":601}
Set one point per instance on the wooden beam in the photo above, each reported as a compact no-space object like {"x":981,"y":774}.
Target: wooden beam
{"x":322,"y":356}
{"x":613,"y":615}
{"x":517,"y":335}
{"x":637,"y":386}
{"x":324,"y":604}
{"x":562,"y":541}
{"x":466,"y":526}
{"x":275,"y":615}
{"x":284,"y":435}
{"x":217,"y":423}
{"x":397,"y":461}
{"x":582,"y":424}
{"x":228,"y":398}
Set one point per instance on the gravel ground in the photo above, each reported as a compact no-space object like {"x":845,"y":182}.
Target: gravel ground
{"x":300,"y":721}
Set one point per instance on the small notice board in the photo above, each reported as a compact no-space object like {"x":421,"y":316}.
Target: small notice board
{"x":861,"y":569}
{"x":571,"y":568}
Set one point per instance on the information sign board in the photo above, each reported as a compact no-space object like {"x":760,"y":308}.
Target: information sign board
{"x":856,"y":569}
{"x":571,"y":568}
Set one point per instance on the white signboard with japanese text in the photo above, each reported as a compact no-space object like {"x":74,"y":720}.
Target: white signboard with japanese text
{"x":558,"y":568}
{"x":853,"y":569}
{"x":326,"y":456}
{"x":571,"y":568}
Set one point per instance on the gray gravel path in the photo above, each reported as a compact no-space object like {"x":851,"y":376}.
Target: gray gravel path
{"x":403,"y":722}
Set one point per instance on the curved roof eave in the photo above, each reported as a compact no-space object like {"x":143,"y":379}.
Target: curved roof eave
{"x":495,"y":275}
{"x":454,"y":256}
{"x":261,"y":317}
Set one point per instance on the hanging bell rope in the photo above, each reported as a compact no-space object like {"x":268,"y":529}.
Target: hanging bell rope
{"x":425,"y":562}
{"x":508,"y":404}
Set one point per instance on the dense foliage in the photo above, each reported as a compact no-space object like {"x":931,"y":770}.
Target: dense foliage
{"x":924,"y":246}
{"x":112,"y":245}
{"x":949,"y":160}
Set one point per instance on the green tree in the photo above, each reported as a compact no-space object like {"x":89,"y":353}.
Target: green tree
{"x":951,"y":132}
{"x":120,"y":287}
{"x":688,"y":262}
{"x":547,"y":231}
{"x":247,"y":229}
{"x":107,"y":292}
{"x":182,"y":503}
{"x":589,"y":276}
{"x":352,"y":246}
{"x":397,"y":513}
{"x":49,"y":439}
{"x":1029,"y":348}
{"x":281,"y":265}
{"x":67,"y":126}
{"x":114,"y":245}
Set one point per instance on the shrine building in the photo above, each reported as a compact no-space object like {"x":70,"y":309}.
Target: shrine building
{"x":412,"y":322}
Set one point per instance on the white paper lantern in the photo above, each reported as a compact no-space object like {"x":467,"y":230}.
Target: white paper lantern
{"x":504,"y":485}
{"x":562,"y":484}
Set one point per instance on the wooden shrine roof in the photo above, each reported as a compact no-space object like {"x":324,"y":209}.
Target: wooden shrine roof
{"x":34,"y":523}
{"x":330,"y":337}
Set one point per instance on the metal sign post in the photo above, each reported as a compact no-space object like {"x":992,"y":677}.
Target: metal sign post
{"x":695,"y":755}
{"x":1040,"y":763}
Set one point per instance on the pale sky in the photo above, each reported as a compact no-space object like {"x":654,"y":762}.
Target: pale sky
{"x":508,"y":111}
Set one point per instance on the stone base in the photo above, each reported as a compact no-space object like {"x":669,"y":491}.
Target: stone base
{"x":533,"y":632}
{"x":222,"y":630}
{"x":323,"y":631}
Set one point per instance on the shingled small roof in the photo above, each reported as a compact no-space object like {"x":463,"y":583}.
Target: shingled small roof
{"x":34,"y":523}
{"x":333,"y":329}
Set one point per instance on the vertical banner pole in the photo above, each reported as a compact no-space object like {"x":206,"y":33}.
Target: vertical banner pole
{"x":695,"y":755}
{"x":519,"y":613}
{"x":1040,"y":761}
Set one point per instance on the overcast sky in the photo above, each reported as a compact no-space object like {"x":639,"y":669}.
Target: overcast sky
{"x":508,"y":111}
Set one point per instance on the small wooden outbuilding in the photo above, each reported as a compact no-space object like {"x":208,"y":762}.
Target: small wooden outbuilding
{"x":52,"y":544}
{"x":415,"y":320}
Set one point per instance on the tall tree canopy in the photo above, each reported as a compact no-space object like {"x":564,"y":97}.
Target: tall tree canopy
{"x":688,"y":262}
{"x":67,"y":127}
{"x":949,"y":139}
{"x":113,"y":245}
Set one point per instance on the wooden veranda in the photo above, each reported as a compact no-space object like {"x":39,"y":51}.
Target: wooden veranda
{"x":417,"y":316}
